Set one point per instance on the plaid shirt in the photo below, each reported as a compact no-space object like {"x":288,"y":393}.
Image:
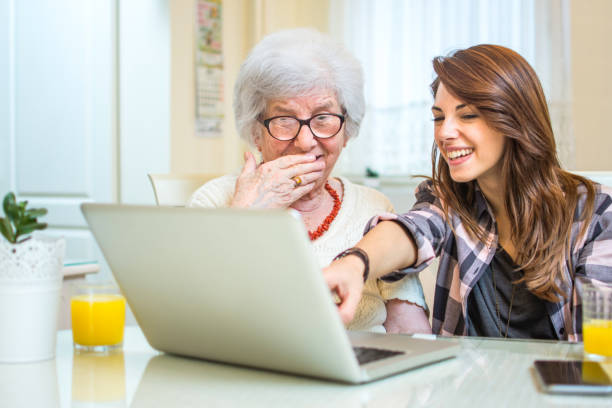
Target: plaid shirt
{"x":464,"y":259}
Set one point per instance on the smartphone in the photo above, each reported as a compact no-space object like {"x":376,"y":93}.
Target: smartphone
{"x":572,"y":377}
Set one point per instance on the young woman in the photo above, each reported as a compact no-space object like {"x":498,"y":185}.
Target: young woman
{"x":511,"y":228}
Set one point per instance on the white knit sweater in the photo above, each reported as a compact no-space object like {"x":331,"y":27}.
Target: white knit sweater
{"x":359,"y":204}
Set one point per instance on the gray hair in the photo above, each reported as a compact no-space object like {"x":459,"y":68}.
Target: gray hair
{"x":292,"y":63}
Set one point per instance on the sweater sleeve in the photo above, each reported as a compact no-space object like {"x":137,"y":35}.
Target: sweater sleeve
{"x":408,"y":288}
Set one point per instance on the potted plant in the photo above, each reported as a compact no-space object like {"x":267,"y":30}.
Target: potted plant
{"x":371,"y":178}
{"x":30,"y":284}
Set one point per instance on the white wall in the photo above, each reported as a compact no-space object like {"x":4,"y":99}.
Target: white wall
{"x":591,"y":85}
{"x":144,"y":97}
{"x":6,"y":104}
{"x":192,"y":154}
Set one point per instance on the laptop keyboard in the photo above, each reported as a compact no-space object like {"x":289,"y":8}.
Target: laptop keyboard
{"x":368,"y":354}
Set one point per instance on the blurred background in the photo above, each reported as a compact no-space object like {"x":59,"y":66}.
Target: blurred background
{"x":96,"y":94}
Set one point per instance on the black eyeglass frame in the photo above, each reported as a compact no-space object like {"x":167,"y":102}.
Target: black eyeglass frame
{"x":302,"y":122}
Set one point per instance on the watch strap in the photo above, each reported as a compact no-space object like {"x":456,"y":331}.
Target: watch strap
{"x":361,"y":254}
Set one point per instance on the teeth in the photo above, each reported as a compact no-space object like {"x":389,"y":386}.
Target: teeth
{"x":458,"y":153}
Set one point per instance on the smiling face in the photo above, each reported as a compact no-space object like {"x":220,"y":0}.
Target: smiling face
{"x":303,"y":107}
{"x":472,"y":149}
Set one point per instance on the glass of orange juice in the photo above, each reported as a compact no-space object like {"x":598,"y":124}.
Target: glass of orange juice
{"x":98,"y":317}
{"x":596,"y":318}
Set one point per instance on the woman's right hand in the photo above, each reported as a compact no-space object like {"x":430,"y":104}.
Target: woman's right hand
{"x":270,"y":184}
{"x":344,"y":277}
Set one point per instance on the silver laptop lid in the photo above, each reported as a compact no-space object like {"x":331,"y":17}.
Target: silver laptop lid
{"x":237,"y":286}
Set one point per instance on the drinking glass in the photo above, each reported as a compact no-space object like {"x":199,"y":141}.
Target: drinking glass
{"x":98,"y":317}
{"x":596,"y":318}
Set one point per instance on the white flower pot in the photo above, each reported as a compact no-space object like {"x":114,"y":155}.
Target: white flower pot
{"x":30,"y":286}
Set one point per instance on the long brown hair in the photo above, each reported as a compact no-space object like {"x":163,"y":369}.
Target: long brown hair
{"x":539,"y":197}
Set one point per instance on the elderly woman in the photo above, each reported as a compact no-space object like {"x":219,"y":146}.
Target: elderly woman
{"x":299,"y":99}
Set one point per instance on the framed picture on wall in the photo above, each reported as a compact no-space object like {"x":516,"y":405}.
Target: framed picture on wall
{"x":209,"y":69}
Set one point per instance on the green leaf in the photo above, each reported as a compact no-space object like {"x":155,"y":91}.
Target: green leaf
{"x":28,"y":228}
{"x":9,"y":199}
{"x":9,"y":206}
{"x":371,"y":173}
{"x":12,"y":212}
{"x":36,"y":212}
{"x":22,"y":206}
{"x":7,"y":230}
{"x":19,"y":221}
{"x":27,"y":220}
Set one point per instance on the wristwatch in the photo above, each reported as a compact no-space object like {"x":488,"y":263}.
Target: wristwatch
{"x":361,"y":254}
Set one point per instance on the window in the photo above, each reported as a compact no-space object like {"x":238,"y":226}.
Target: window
{"x":396,"y":40}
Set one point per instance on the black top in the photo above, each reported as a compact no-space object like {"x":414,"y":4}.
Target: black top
{"x":528,"y":317}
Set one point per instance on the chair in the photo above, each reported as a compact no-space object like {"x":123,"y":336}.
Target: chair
{"x":175,"y":189}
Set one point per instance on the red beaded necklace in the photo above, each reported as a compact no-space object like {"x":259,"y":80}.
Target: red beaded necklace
{"x":328,"y":220}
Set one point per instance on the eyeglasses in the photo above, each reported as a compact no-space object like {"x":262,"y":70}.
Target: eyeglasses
{"x":285,"y":128}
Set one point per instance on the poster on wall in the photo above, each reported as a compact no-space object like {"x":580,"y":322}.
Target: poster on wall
{"x":208,"y":69}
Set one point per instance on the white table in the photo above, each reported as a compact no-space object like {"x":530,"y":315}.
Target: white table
{"x":487,"y":373}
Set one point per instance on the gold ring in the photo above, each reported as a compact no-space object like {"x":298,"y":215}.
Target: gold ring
{"x":297,"y":180}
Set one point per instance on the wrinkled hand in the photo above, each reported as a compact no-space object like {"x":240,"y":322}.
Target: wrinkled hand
{"x":269,"y":185}
{"x":345,"y":278}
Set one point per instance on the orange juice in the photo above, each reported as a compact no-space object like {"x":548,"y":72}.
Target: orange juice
{"x":98,"y":319}
{"x":597,"y":335}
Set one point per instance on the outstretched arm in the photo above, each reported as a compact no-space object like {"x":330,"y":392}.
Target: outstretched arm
{"x":389,"y":247}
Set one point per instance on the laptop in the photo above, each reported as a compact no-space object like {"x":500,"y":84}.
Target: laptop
{"x":242,"y":287}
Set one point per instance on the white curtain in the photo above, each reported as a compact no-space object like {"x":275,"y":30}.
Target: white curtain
{"x":396,"y":40}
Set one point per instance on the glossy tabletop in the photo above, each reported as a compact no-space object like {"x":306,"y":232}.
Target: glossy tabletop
{"x":487,"y":373}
